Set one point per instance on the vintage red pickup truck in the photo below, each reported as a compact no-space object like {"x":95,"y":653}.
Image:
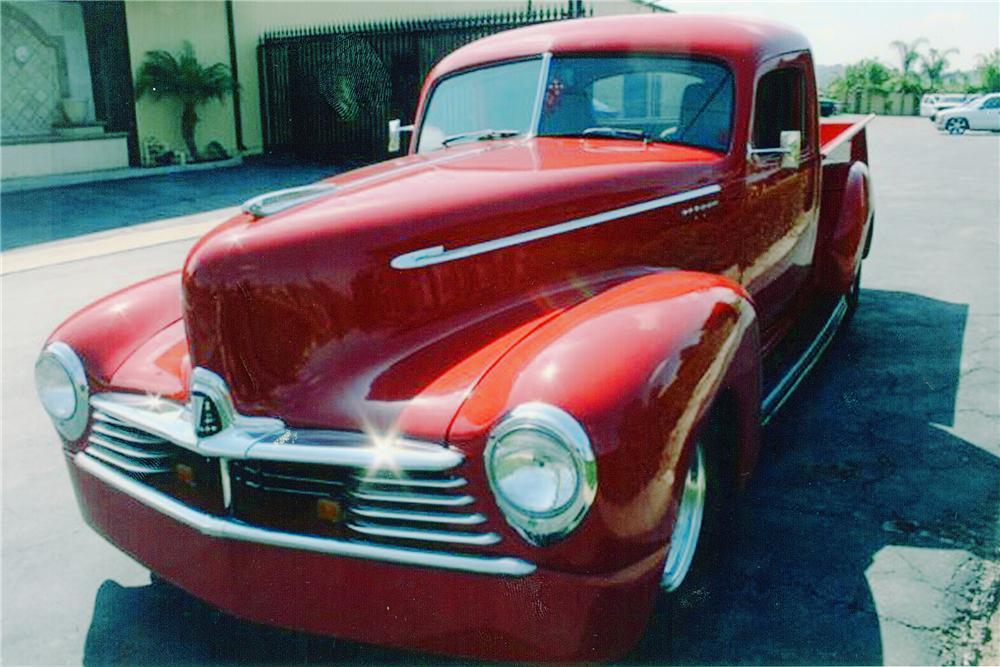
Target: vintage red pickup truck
{"x":485,"y":398}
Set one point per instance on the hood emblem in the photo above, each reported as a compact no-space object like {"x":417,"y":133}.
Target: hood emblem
{"x":209,"y":419}
{"x":212,"y":413}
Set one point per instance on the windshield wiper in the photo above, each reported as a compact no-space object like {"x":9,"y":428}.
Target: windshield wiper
{"x":480,"y":135}
{"x":616,"y":132}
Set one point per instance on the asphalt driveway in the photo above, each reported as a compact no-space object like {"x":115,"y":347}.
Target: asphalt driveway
{"x":38,"y":216}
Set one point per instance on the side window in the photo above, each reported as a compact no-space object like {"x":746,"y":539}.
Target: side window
{"x":992,"y":103}
{"x":779,"y":106}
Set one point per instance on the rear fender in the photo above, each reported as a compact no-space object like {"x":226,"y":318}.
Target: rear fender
{"x":847,"y":212}
{"x":639,"y":367}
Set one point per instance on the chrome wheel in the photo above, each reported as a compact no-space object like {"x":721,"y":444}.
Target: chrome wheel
{"x":956,"y":125}
{"x":687,"y":525}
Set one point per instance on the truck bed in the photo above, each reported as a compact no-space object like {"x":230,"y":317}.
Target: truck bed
{"x":842,"y":141}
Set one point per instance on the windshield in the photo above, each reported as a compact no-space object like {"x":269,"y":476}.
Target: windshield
{"x":476,"y":104}
{"x":659,"y":99}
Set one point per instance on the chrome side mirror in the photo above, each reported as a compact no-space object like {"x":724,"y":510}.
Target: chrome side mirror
{"x":791,"y":146}
{"x":396,"y":129}
{"x":790,"y":150}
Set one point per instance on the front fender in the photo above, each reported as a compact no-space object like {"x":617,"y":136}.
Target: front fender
{"x":639,"y":366}
{"x":107,"y":334}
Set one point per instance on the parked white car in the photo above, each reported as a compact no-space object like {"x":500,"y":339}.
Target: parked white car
{"x":980,"y":114}
{"x":927,"y":103}
{"x":932,"y":104}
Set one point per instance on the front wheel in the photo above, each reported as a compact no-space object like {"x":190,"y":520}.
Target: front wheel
{"x":704,"y":517}
{"x":701,"y":533}
{"x":956,"y":125}
{"x":687,"y":525}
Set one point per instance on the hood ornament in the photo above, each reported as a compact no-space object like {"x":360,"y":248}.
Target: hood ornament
{"x":221,"y":430}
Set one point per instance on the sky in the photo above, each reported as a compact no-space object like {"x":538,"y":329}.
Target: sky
{"x":844,"y":32}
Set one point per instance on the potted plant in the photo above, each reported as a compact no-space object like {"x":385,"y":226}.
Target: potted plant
{"x":182,"y":77}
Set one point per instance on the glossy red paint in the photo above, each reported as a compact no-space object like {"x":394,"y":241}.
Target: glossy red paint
{"x":639,"y":326}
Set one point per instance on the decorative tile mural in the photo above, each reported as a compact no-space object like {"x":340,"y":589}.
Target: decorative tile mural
{"x":34,"y":76}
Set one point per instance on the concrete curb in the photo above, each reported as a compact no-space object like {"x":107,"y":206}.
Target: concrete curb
{"x":63,"y":180}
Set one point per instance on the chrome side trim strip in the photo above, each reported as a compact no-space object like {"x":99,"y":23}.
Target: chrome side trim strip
{"x":474,"y":539}
{"x":223,"y":528}
{"x":438,"y":254}
{"x":791,"y":380}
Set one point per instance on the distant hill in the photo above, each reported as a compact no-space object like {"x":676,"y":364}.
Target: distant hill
{"x":826,"y":74}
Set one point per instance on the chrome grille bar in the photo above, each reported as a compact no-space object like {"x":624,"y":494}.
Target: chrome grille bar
{"x":127,"y":447}
{"x":421,"y":517}
{"x":445,"y":483}
{"x":413,"y":498}
{"x":127,"y":464}
{"x":117,"y":429}
{"x":476,"y":539}
{"x":128,"y":450}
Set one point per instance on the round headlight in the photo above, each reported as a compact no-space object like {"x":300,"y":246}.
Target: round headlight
{"x":542,"y":471}
{"x":61,"y":384}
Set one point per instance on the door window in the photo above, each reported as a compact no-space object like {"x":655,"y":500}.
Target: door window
{"x":780,"y":106}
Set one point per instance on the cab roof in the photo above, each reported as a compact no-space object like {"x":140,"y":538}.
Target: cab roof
{"x":734,"y":39}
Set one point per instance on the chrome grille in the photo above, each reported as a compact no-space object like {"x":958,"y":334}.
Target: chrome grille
{"x":282,"y":483}
{"x":128,"y":448}
{"x":427,"y":508}
{"x":324,"y":491}
{"x":420,"y":507}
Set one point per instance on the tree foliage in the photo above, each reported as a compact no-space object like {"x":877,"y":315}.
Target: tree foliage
{"x":934,"y":64}
{"x":164,"y":75}
{"x":907,"y":80}
{"x":988,"y":69}
{"x":919,"y":71}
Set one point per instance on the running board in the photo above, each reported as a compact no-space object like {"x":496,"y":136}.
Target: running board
{"x":783,"y":390}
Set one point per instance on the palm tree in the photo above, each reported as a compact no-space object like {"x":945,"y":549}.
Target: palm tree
{"x":909,"y":54}
{"x":184,"y":78}
{"x":934,"y":65}
{"x":867,"y":76}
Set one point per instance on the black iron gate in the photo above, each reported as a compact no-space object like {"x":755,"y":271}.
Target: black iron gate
{"x":328,"y":93}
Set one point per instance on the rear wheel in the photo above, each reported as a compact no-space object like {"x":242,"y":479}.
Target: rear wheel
{"x":956,"y":125}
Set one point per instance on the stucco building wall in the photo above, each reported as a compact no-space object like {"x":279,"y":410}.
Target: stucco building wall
{"x":165,"y":25}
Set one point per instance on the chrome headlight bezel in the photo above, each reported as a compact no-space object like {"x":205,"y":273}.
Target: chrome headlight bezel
{"x":554,"y":427}
{"x":72,"y":426}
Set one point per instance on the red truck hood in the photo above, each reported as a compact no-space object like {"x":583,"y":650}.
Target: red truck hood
{"x":305,"y":318}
